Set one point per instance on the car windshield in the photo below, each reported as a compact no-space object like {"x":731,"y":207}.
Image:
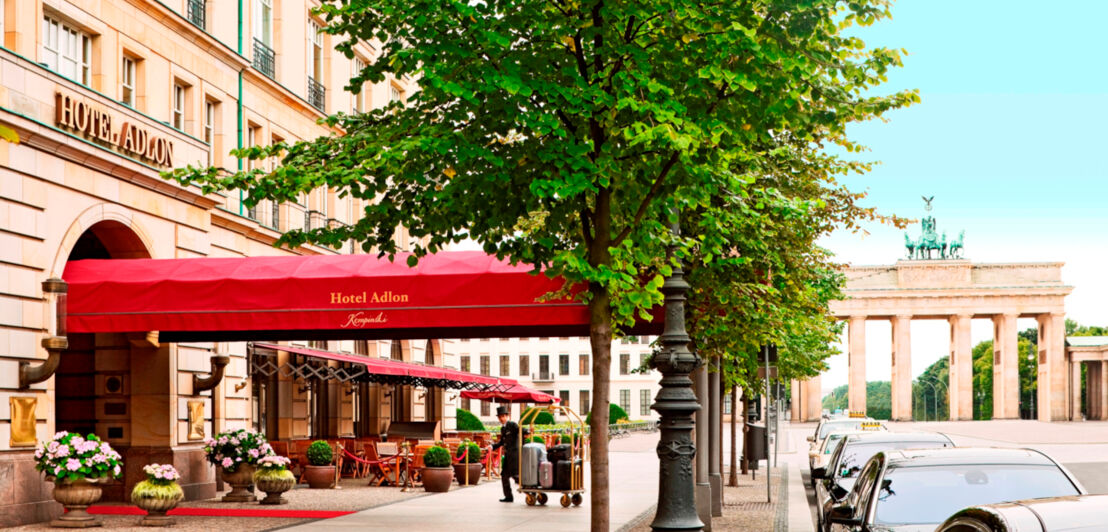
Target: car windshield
{"x":855,"y":455}
{"x":832,"y":442}
{"x":846,"y":424}
{"x":925,"y":495}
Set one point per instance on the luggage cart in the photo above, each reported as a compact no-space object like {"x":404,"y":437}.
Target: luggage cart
{"x":575,"y":494}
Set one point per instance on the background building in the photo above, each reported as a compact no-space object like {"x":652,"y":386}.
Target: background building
{"x":561,"y":367}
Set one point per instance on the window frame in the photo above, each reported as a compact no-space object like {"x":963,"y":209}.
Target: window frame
{"x":263,"y":22}
{"x":644,"y":402}
{"x":583,"y":363}
{"x":360,"y":103}
{"x":128,"y":73}
{"x":625,"y":400}
{"x":524,"y":365}
{"x":584,"y":397}
{"x":625,"y":363}
{"x":315,"y":51}
{"x":70,"y":44}
{"x":177,"y":114}
{"x":563,"y":364}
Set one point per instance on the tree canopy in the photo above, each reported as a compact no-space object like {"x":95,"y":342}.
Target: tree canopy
{"x":568,"y":135}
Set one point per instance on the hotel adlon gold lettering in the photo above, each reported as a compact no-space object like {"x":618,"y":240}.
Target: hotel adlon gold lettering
{"x":342,"y":298}
{"x":72,"y":113}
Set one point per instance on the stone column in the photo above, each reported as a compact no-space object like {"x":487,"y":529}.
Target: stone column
{"x":1092,"y":389}
{"x":1006,"y":375}
{"x":1100,"y":398}
{"x":813,"y":395}
{"x":856,"y":383}
{"x":1052,"y":367}
{"x":902,"y":369}
{"x":703,"y":485}
{"x":715,"y":441}
{"x":1075,"y":389}
{"x":961,"y":368}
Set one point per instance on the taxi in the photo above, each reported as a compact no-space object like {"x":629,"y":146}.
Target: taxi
{"x":818,"y":457}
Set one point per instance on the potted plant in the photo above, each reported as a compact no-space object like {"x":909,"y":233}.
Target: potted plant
{"x":158,"y":494}
{"x":75,"y":465}
{"x":320,"y":474}
{"x":236,"y":452}
{"x":274,"y":478}
{"x":468,"y":468}
{"x":437,"y":473}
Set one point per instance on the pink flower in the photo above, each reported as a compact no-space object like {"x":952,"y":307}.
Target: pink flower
{"x":254,"y":453}
{"x":227,"y":462}
{"x":63,"y":450}
{"x":73,"y":464}
{"x":116,"y":471}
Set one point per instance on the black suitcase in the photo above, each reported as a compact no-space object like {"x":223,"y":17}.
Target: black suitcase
{"x":558,"y":453}
{"x":563,"y":472}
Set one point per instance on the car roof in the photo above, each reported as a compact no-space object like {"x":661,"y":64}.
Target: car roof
{"x":885,"y":436}
{"x":966,"y":456}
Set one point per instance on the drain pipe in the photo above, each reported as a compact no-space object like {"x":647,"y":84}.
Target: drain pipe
{"x":203,"y":384}
{"x":238,"y":102}
{"x":54,"y":291}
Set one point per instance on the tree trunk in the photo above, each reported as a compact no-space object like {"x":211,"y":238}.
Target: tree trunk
{"x":600,"y":338}
{"x":746,"y":441}
{"x":734,"y":467}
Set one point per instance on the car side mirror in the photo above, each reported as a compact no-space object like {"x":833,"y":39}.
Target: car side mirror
{"x":811,"y":439}
{"x":819,"y":473}
{"x":843,"y":514}
{"x":837,"y":492}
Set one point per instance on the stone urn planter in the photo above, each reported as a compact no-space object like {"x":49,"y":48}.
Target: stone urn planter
{"x":239,"y":479}
{"x":76,"y":496}
{"x":474,"y":474}
{"x":437,"y":479}
{"x":320,"y":477}
{"x":274,"y":485}
{"x":158,"y":494}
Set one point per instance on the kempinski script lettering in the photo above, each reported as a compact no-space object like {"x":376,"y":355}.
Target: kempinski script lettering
{"x":359,"y":319}
{"x":340,"y":298}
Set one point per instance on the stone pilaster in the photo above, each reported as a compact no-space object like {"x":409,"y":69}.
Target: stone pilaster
{"x":961,"y":368}
{"x":1006,"y":377}
{"x":1074,"y":389}
{"x":798,"y":405}
{"x":1052,"y":368}
{"x":856,"y":383}
{"x":813,"y":399}
{"x":902,"y":368}
{"x":1100,"y":398}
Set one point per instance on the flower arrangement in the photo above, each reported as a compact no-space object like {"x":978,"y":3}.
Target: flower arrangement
{"x":231,"y":448}
{"x":160,"y":483}
{"x":273,"y":466}
{"x":70,"y":456}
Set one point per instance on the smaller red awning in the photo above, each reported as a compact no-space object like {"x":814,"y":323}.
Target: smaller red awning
{"x":515,"y":394}
{"x":397,"y":372}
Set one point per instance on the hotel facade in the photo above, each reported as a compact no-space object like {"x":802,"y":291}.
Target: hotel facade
{"x":104,"y":95}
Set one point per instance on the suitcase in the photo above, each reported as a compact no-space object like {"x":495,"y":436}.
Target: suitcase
{"x":533,"y":455}
{"x":546,"y":474}
{"x":563,"y":474}
{"x":559,"y":452}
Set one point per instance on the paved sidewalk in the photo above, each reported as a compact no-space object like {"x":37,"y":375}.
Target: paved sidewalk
{"x":634,"y":476}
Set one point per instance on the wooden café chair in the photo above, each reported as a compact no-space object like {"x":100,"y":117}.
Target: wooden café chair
{"x":381,"y":467}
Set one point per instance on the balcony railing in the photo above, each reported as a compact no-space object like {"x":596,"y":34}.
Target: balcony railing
{"x":316,"y":93}
{"x":543,"y":376}
{"x":264,"y":58}
{"x":313,"y":220}
{"x":196,"y":13}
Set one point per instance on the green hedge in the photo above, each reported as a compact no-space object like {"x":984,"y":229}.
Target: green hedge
{"x":615,"y":413}
{"x":469,"y":422}
{"x":543,"y":418}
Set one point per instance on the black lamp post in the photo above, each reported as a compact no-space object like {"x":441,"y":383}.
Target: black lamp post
{"x":676,"y":404}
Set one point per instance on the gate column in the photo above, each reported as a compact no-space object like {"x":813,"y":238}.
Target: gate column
{"x":1006,"y":375}
{"x":1052,"y":367}
{"x":813,"y":396}
{"x":856,"y":384}
{"x":902,"y":368}
{"x":961,"y":368}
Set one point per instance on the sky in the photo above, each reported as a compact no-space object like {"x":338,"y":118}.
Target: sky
{"x":1010,"y":138}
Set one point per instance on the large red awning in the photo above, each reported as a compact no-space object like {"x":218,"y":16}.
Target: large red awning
{"x":514,"y":394}
{"x":448,"y":295}
{"x":398,"y":372}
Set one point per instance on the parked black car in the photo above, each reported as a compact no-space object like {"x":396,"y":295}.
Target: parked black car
{"x":1084,"y":513}
{"x":835,"y":480}
{"x":915,"y":490}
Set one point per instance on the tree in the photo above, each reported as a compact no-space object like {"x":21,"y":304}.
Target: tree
{"x":878,"y":399}
{"x":568,"y":135}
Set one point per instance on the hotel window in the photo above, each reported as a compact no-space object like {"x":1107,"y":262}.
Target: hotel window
{"x":252,"y":133}
{"x":485,"y":364}
{"x":263,"y":21}
{"x":583,"y":361}
{"x":727,"y":404}
{"x":178,"y":117}
{"x":316,"y":90}
{"x":66,"y":50}
{"x":465,"y":404}
{"x":524,"y":366}
{"x":127,"y":82}
{"x":625,"y":400}
{"x":625,"y":364}
{"x":209,"y":128}
{"x":361,"y":97}
{"x":564,"y":395}
{"x":505,"y":365}
{"x":584,"y":406}
{"x":395,"y":94}
{"x":643,"y":359}
{"x":644,"y":402}
{"x":465,"y":366}
{"x":485,"y":408}
{"x":563,"y":364}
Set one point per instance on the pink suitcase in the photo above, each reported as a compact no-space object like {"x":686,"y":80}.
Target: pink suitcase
{"x":546,"y":474}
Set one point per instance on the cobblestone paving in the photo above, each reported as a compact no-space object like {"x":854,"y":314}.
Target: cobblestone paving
{"x":744,"y":507}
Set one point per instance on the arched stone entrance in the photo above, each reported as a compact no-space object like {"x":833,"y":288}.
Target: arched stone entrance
{"x":958,"y":291}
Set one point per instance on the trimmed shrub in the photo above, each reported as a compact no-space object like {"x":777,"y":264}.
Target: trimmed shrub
{"x":469,"y":422}
{"x":615,"y":413}
{"x":536,"y":439}
{"x":542,"y":418}
{"x":474,"y":455}
{"x":437,"y":457}
{"x":319,"y":453}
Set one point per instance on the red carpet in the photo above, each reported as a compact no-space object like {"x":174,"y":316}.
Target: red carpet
{"x":224,"y":512}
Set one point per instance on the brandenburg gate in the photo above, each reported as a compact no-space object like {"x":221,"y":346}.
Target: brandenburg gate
{"x":955,"y":290}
